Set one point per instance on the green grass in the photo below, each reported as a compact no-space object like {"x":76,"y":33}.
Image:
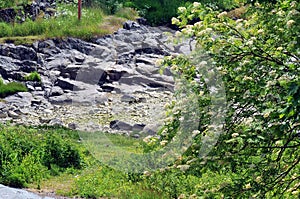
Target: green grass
{"x":51,"y":159}
{"x":93,"y":23}
{"x":11,"y":88}
{"x":33,"y":76}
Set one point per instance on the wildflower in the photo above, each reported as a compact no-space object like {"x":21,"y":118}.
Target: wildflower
{"x":260,"y":31}
{"x":196,"y":4}
{"x":279,"y":48}
{"x":248,"y":186}
{"x":195,"y":133}
{"x":234,"y":135}
{"x":239,"y":21}
{"x":183,"y":167}
{"x":290,"y":23}
{"x":181,"y":9}
{"x":280,"y":13}
{"x":293,"y":4}
{"x":249,"y":43}
{"x":222,"y":14}
{"x":247,"y":78}
{"x":163,"y":143}
{"x":198,"y":24}
{"x":178,"y":34}
{"x":147,"y":173}
{"x":175,"y":20}
{"x":158,"y":62}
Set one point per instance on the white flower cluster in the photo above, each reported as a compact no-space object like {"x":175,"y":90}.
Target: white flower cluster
{"x":289,"y":23}
{"x":181,"y":9}
{"x":222,"y":14}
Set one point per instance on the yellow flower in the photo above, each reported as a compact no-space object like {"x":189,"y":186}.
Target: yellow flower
{"x":248,"y":186}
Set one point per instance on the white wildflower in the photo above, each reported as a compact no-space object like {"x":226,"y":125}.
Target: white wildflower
{"x":183,"y":167}
{"x":178,"y":34}
{"x":163,"y":143}
{"x":181,"y":9}
{"x":147,"y":139}
{"x":175,"y":21}
{"x":247,"y":78}
{"x":290,"y":23}
{"x":239,"y":21}
{"x":195,"y":133}
{"x":280,"y":13}
{"x":222,"y":14}
{"x":198,"y":24}
{"x":234,"y":135}
{"x":196,"y":4}
{"x":260,"y":31}
{"x":158,"y":62}
{"x":279,"y":48}
{"x":249,"y":43}
{"x":147,"y":173}
{"x":293,"y":4}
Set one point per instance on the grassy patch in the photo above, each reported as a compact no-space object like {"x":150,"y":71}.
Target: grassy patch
{"x":11,"y":88}
{"x":33,"y":76}
{"x":92,"y":24}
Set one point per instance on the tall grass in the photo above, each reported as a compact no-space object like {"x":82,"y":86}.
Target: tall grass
{"x":64,"y":25}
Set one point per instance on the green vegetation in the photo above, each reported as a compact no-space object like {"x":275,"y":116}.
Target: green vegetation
{"x":161,"y":11}
{"x":33,"y":76}
{"x":11,"y":88}
{"x":66,"y":24}
{"x":32,"y":154}
{"x":13,"y":3}
{"x":257,"y":59}
{"x":254,"y":50}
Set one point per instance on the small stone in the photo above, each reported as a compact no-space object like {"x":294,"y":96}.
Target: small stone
{"x":56,"y":122}
{"x":13,"y":115}
{"x":119,"y":125}
{"x":138,"y":127}
{"x":72,"y":126}
{"x":128,"y":99}
{"x":3,"y":115}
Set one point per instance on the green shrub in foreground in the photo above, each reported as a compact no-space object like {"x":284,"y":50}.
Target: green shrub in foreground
{"x":29,"y":154}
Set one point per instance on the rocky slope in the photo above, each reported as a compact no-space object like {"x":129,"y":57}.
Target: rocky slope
{"x":110,"y":84}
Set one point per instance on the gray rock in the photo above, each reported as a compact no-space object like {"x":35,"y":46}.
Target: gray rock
{"x":119,"y":125}
{"x":3,"y":114}
{"x":13,"y":193}
{"x":13,"y":115}
{"x":56,"y":122}
{"x":56,"y":91}
{"x":128,"y":99}
{"x":138,"y":127}
{"x":72,"y":126}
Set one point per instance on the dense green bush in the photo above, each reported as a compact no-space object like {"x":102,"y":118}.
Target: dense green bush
{"x":30,"y":154}
{"x":11,"y":88}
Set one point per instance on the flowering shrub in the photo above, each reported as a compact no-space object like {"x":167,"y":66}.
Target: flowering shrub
{"x":257,"y":57}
